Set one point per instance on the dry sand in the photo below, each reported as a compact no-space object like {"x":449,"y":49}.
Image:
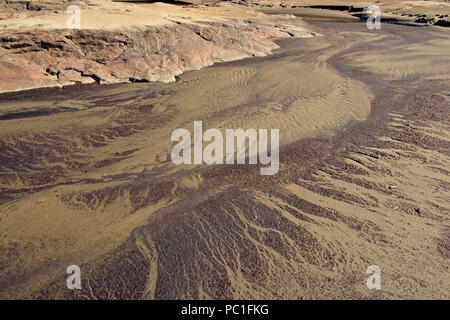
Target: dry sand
{"x":109,"y":15}
{"x":86,"y":177}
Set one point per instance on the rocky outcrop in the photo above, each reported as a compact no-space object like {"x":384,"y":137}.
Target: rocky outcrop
{"x":44,"y":58}
{"x":33,"y":5}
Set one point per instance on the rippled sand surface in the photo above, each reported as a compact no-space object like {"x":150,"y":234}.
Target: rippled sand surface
{"x":86,"y":177}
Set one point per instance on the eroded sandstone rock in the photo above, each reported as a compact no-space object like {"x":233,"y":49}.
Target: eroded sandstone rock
{"x":42,"y":58}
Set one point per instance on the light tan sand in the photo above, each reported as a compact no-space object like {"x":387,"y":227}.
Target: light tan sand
{"x":108,"y":15}
{"x":408,"y":60}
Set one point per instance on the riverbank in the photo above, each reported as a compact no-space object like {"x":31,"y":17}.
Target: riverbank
{"x":421,"y":12}
{"x":122,"y":42}
{"x":129,"y":42}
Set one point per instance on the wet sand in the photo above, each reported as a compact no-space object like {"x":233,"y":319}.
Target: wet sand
{"x":86,"y":177}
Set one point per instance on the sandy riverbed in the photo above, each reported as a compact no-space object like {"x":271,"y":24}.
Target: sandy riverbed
{"x":86,"y":177}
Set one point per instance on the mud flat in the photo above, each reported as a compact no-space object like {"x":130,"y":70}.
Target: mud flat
{"x":86,"y":177}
